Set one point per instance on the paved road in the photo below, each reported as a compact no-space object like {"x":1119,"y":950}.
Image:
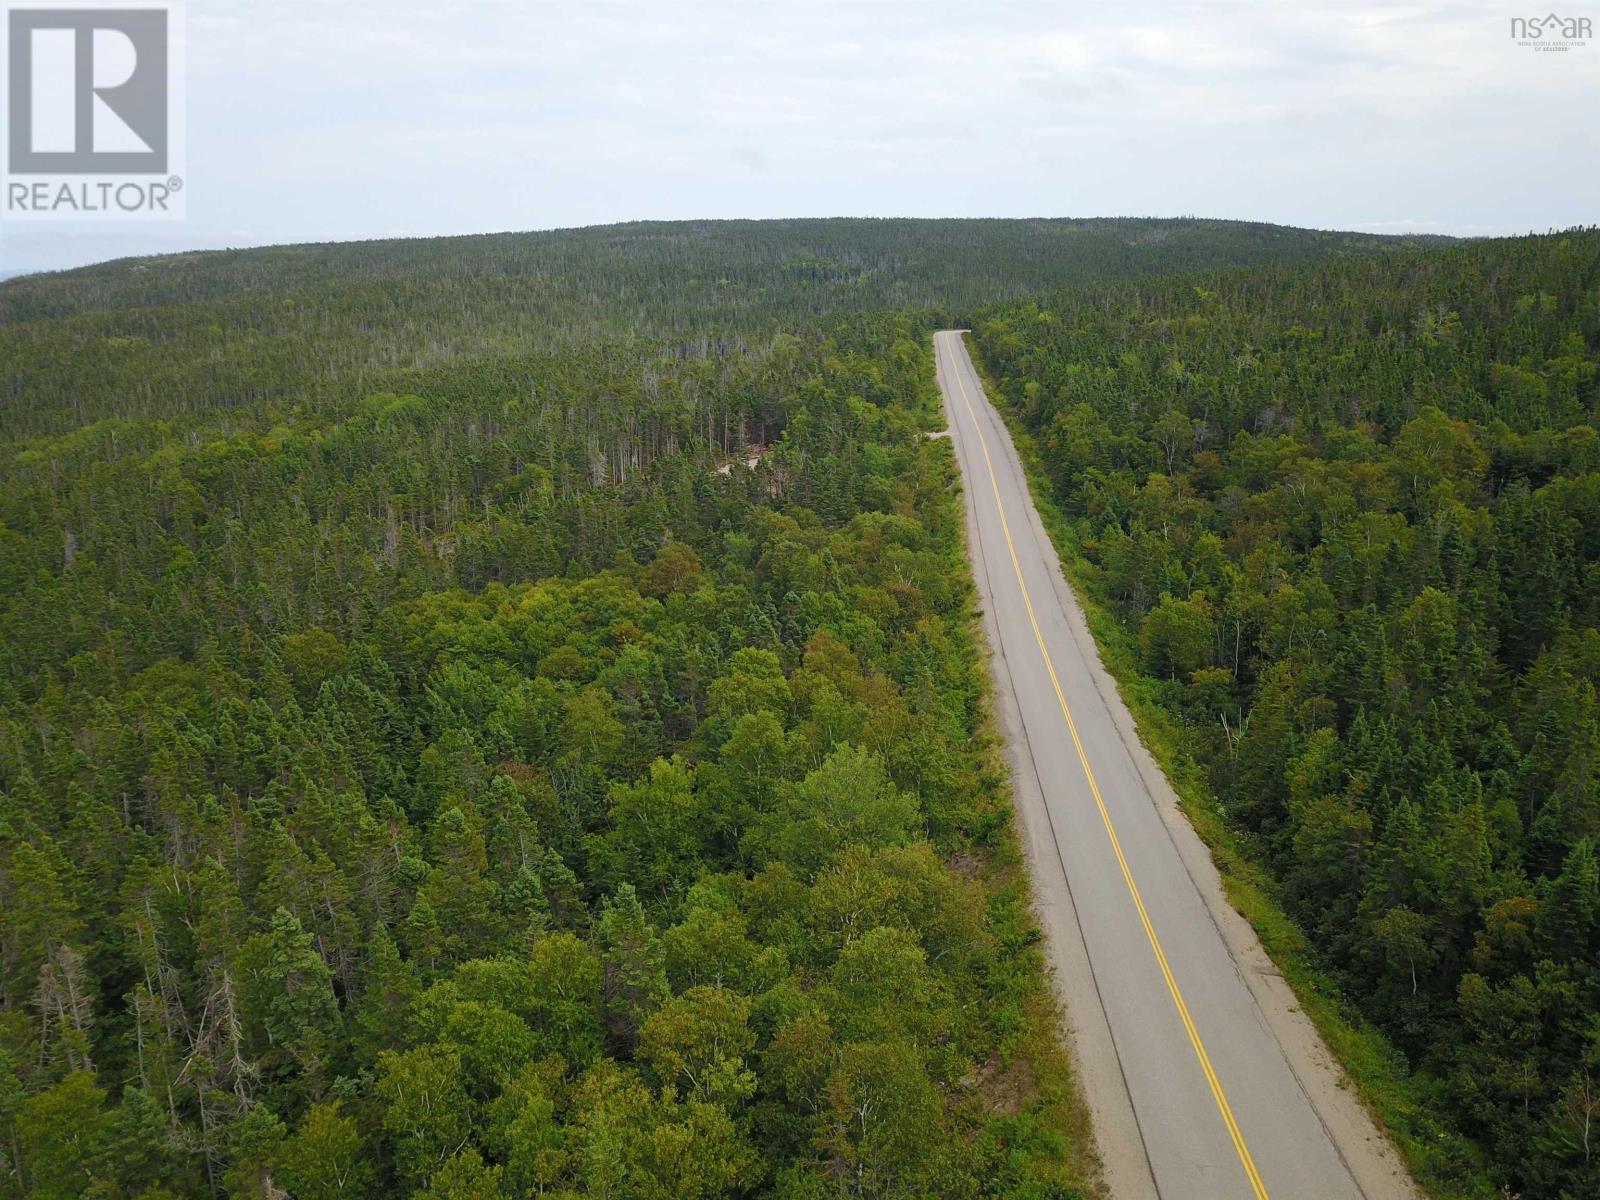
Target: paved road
{"x":1205,"y":1080}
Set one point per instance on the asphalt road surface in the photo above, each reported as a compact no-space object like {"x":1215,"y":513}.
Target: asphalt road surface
{"x":1205,"y":1080}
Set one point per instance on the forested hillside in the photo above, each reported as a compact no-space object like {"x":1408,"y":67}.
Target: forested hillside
{"x":197,"y":334}
{"x":650,"y":276}
{"x":1349,"y":516}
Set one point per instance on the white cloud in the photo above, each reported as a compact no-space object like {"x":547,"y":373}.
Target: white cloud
{"x":311,"y":118}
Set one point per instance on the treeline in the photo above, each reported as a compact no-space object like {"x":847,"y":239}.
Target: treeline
{"x":1350,"y":517}
{"x":706,"y":275}
{"x":184,"y":336}
{"x":471,"y":791}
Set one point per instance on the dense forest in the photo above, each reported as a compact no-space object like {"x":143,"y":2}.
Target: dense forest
{"x":1348,"y":518}
{"x":500,"y":716}
{"x":699,"y":276}
{"x":654,"y":867}
{"x":201,"y":336}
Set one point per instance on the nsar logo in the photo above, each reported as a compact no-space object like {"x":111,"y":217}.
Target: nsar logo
{"x":1552,"y":32}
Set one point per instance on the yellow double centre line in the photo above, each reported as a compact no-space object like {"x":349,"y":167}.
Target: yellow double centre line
{"x":1217,"y":1093}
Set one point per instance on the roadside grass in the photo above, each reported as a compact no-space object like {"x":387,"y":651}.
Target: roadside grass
{"x":1443,"y":1162}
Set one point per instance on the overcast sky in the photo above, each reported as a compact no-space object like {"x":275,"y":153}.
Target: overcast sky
{"x":336,"y":119}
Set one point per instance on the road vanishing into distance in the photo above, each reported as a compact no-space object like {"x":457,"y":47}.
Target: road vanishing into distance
{"x":1204,"y":1078}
